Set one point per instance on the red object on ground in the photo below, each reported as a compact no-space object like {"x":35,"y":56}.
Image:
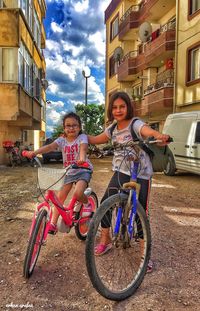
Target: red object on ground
{"x":8,"y":143}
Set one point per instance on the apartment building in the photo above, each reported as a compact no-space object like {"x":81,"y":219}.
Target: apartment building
{"x":153,"y":53}
{"x":22,"y":72}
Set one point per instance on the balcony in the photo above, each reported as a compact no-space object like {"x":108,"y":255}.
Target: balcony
{"x":129,"y":23}
{"x":158,"y":97}
{"x":22,"y":110}
{"x":161,"y":48}
{"x":132,"y":63}
{"x":151,"y":10}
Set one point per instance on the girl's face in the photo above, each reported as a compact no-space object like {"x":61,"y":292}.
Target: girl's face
{"x":119,"y":109}
{"x":71,"y":128}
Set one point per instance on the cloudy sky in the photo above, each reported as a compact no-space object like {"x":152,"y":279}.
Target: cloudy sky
{"x":75,"y":40}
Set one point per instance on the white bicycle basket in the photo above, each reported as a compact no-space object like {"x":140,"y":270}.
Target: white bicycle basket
{"x":47,"y":177}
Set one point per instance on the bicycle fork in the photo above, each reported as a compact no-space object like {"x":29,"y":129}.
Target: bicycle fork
{"x":125,"y":219}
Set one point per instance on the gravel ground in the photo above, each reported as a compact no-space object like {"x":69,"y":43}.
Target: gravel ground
{"x":60,"y":280}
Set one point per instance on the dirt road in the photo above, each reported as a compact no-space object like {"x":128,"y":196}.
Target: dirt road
{"x":60,"y":280}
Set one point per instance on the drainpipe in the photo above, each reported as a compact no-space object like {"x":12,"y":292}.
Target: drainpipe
{"x":176,"y":56}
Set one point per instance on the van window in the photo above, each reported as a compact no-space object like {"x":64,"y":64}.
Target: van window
{"x":197,"y":135}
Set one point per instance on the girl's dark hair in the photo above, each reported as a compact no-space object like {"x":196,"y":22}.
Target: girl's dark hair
{"x":125,"y":97}
{"x":74,"y":116}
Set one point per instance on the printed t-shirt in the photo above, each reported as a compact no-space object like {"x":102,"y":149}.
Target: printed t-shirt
{"x":123,"y":136}
{"x":71,"y":151}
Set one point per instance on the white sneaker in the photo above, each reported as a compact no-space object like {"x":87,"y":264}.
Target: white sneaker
{"x":87,"y":210}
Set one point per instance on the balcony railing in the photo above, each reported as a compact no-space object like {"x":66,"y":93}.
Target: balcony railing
{"x":133,"y":8}
{"x":163,"y":80}
{"x":131,"y":64}
{"x":135,"y":16}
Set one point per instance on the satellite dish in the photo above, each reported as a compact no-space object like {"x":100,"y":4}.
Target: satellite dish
{"x":145,"y":31}
{"x":118,"y":54}
{"x":44,"y":83}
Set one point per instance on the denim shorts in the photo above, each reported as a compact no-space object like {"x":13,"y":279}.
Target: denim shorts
{"x":80,"y":175}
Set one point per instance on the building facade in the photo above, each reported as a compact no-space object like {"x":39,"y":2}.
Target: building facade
{"x":153,"y":53}
{"x":22,"y":72}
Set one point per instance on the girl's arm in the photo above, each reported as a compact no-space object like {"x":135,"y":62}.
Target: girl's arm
{"x":147,"y":131}
{"x":44,"y":149}
{"x":99,"y":139}
{"x":83,"y":153}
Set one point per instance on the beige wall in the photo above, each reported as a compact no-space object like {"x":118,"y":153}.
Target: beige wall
{"x":187,"y":97}
{"x":9,"y":22}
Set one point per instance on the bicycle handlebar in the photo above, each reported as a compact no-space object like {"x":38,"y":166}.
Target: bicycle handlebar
{"x":138,"y":142}
{"x":84,"y":165}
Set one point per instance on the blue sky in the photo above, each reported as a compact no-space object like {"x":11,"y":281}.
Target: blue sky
{"x":75,"y":39}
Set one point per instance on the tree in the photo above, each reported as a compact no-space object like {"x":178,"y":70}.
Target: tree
{"x":57,"y":131}
{"x":92,"y":117}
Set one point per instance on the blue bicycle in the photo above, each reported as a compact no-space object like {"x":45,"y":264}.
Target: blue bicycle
{"x":117,"y":274}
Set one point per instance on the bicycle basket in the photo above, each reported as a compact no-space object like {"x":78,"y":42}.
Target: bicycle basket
{"x":50,"y":178}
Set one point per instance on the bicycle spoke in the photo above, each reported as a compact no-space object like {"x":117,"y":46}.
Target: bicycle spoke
{"x":118,"y":272}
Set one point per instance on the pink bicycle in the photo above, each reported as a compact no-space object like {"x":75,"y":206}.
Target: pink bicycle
{"x":43,"y":214}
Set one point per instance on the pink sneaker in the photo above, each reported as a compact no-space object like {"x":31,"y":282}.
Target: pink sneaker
{"x":87,"y":210}
{"x":52,"y":229}
{"x":101,"y":249}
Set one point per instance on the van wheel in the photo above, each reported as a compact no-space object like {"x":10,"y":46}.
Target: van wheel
{"x":170,"y":167}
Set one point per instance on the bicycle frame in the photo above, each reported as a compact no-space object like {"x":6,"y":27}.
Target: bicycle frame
{"x":133,"y":200}
{"x":66,"y":212}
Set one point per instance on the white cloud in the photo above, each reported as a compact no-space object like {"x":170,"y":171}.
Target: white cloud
{"x":53,"y":116}
{"x":56,"y":28}
{"x":81,"y":6}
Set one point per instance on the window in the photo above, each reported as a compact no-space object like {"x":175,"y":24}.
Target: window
{"x":194,"y":6}
{"x":24,"y":136}
{"x":137,"y":91}
{"x":36,"y":82}
{"x":114,"y":28}
{"x":43,"y":110}
{"x":112,"y":67}
{"x":26,"y":6}
{"x":37,"y":30}
{"x":8,"y":64}
{"x":197,"y":135}
{"x":194,"y":63}
{"x":25,"y":72}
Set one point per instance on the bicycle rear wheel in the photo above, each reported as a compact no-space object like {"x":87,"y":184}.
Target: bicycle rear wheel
{"x":35,"y":243}
{"x":82,"y":227}
{"x":117,"y":274}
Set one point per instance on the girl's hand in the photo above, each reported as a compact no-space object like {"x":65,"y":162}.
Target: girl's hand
{"x":28,"y":154}
{"x":80,"y":161}
{"x":164,"y":138}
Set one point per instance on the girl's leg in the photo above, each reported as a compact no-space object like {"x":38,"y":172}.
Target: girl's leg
{"x":80,"y":187}
{"x":117,"y":180}
{"x":62,"y":195}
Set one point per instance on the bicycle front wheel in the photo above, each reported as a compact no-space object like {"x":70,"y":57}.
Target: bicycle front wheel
{"x":117,"y":274}
{"x":82,"y":227}
{"x":35,"y":243}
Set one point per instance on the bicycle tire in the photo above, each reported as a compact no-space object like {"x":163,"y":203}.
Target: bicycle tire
{"x":85,"y":226}
{"x":33,"y":249}
{"x":102,"y":268}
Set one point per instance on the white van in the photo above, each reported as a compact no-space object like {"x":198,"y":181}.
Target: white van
{"x":184,"y":128}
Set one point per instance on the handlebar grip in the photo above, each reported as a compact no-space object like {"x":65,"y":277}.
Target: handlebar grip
{"x":24,"y":153}
{"x":85,"y":165}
